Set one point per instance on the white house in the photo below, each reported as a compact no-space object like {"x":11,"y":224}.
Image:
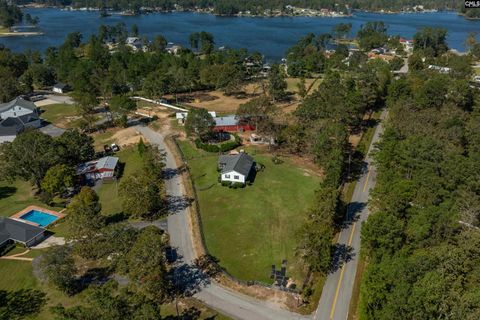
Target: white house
{"x":60,"y":88}
{"x":101,"y":169}
{"x":16,"y":116}
{"x":235,"y":168}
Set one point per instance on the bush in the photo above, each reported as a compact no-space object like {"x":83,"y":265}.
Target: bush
{"x":237,"y":185}
{"x":277,"y":160}
{"x":224,"y":147}
{"x":226,"y":184}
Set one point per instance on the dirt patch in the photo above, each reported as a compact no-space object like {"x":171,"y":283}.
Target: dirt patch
{"x":126,"y":137}
{"x":45,"y":102}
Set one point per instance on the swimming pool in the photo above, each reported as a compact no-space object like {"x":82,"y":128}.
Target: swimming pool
{"x":41,"y":218}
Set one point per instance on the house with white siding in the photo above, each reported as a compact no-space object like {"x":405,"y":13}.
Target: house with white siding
{"x":16,"y":116}
{"x":235,"y":167}
{"x":100,"y":169}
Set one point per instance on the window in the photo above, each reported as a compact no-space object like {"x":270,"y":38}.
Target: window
{"x":236,"y":177}
{"x":227,"y":176}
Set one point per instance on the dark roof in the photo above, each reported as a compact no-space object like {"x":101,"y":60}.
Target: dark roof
{"x":241,"y":163}
{"x":18,"y":231}
{"x":19,"y":101}
{"x":60,"y":85}
{"x":10,"y":127}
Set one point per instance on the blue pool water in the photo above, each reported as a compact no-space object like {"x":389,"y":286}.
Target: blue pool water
{"x":41,"y":218}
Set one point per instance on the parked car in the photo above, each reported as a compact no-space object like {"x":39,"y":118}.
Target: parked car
{"x":114,"y":147}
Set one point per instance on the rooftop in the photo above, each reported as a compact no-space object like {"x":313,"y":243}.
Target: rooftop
{"x":226,"y":121}
{"x":103,"y":163}
{"x":241,"y":163}
{"x":18,"y":231}
{"x":20,"y":102}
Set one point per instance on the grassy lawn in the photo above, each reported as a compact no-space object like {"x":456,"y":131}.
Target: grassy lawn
{"x":17,"y":196}
{"x":292,"y":84}
{"x":108,"y":192}
{"x":250,"y":229}
{"x":58,"y":114}
{"x":20,"y":276}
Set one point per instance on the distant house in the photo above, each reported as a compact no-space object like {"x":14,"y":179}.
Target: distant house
{"x":231,"y":123}
{"x":20,"y":232}
{"x":135,"y":43}
{"x":442,"y":70}
{"x":173,"y":48}
{"x":101,"y":169}
{"x":235,"y":168}
{"x":60,"y":88}
{"x":16,"y":116}
{"x":407,"y":44}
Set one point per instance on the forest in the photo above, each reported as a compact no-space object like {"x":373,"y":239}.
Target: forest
{"x":421,"y":244}
{"x":230,"y":7}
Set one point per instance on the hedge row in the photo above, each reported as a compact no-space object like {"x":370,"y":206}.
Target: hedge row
{"x":224,"y":147}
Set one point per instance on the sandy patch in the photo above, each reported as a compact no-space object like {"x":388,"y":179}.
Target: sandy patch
{"x":45,"y":102}
{"x":126,"y":137}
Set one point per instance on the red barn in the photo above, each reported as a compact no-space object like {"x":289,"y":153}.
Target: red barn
{"x":231,"y":124}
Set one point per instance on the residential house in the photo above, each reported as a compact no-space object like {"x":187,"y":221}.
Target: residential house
{"x":407,"y":44}
{"x":16,"y":116}
{"x":100,"y":169}
{"x":231,"y":123}
{"x":20,"y":232}
{"x":235,"y":168}
{"x":60,"y":88}
{"x":442,"y":70}
{"x":135,"y":43}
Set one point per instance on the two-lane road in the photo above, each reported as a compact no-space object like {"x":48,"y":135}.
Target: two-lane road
{"x":337,"y":292}
{"x":230,"y":303}
{"x":338,"y":289}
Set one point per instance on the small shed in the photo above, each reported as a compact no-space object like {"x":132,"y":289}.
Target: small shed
{"x":60,"y":88}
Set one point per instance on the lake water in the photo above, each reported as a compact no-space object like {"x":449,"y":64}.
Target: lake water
{"x":271,"y":36}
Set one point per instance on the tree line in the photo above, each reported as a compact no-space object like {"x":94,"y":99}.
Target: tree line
{"x":421,"y":243}
{"x":231,"y":7}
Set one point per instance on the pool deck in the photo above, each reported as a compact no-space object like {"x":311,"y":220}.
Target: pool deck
{"x":17,"y":216}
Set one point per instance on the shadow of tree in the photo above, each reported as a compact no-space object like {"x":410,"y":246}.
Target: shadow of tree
{"x":188,"y":279}
{"x":169,"y":173}
{"x":353,"y":209}
{"x":7,"y":191}
{"x":178,"y":203}
{"x":341,"y":255}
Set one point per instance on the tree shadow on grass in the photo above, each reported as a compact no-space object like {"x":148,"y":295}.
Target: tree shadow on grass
{"x":116,"y":218}
{"x":7,"y":191}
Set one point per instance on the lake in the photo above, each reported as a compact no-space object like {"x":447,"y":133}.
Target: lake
{"x":270,"y":36}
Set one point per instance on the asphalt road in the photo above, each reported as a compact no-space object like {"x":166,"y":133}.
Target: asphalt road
{"x":337,"y":291}
{"x":230,"y":303}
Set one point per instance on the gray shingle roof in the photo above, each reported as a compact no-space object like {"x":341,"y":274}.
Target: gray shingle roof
{"x":226,"y":121}
{"x":19,"y":101}
{"x":241,"y":163}
{"x":18,"y":231}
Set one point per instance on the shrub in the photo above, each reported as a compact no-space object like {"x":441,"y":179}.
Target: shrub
{"x":277,"y":160}
{"x":237,"y":185}
{"x":227,"y":184}
{"x":224,"y":147}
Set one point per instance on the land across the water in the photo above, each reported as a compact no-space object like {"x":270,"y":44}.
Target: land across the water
{"x":271,"y":36}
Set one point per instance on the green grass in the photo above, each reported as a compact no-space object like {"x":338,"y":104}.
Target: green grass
{"x":108,"y":192}
{"x":477,"y":71}
{"x":17,"y":196}
{"x":250,"y":229}
{"x":57,"y":113}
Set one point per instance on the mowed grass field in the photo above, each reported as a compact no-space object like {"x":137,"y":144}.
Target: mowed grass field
{"x":252,"y":228}
{"x":59,"y":114}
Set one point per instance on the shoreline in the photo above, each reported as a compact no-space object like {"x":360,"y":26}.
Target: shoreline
{"x":20,"y":34}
